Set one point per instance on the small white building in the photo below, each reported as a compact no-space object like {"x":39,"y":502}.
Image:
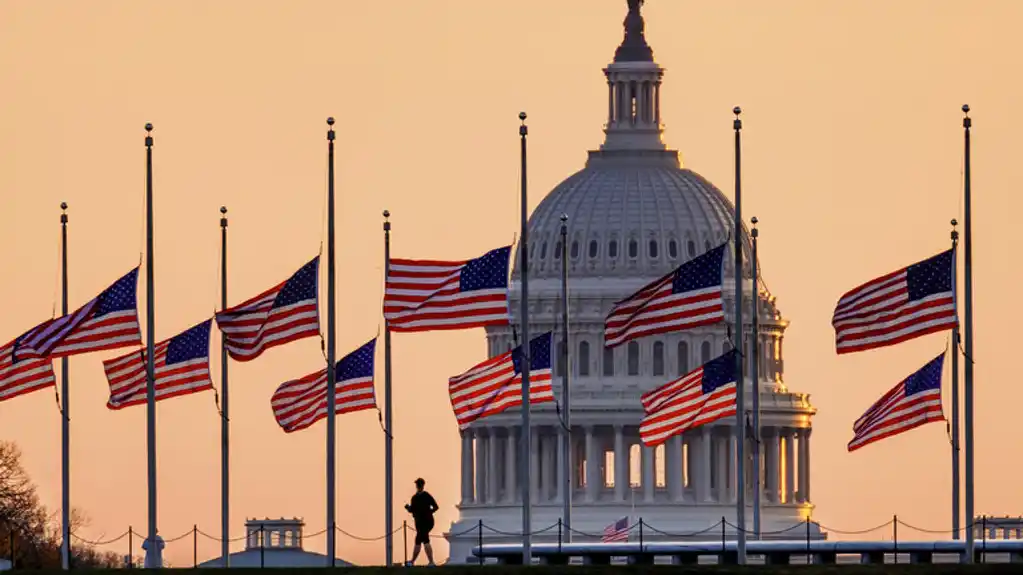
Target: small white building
{"x":274,"y":543}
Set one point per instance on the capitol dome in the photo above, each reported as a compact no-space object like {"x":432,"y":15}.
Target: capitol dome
{"x":633,"y":213}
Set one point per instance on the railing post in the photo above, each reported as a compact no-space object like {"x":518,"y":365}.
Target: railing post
{"x":559,"y":535}
{"x":640,"y":534}
{"x":131,"y":551}
{"x":983,"y":539}
{"x":479,"y":539}
{"x":404,"y":539}
{"x":809,"y":556}
{"x":895,"y":538}
{"x":262,"y":556}
{"x":333,"y":536}
{"x":724,"y":525}
{"x":195,"y":546}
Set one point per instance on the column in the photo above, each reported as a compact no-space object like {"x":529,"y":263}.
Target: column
{"x":801,"y":491}
{"x":805,"y":464}
{"x":492,"y":466}
{"x":560,"y":489}
{"x":772,"y":457}
{"x":673,"y":467}
{"x":511,"y":487}
{"x":610,"y":103}
{"x":657,"y":103}
{"x":592,"y":465}
{"x":466,"y":466}
{"x":723,"y":481}
{"x":549,"y":467}
{"x":704,"y":466}
{"x":534,"y":455}
{"x":621,"y":472}
{"x":481,"y":458}
{"x":790,"y":466}
{"x":648,"y":479}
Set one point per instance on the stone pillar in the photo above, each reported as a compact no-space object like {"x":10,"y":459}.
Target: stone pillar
{"x":560,"y":489}
{"x":790,"y":466}
{"x":481,"y":466}
{"x":804,"y":464}
{"x":673,"y":467}
{"x":550,"y":467}
{"x":492,"y":466}
{"x":703,"y":482}
{"x":801,"y":466}
{"x":621,"y":464}
{"x":534,"y":454}
{"x":648,"y":478}
{"x":722,"y":479}
{"x":466,"y":466}
{"x":592,"y":466}
{"x":772,"y":458}
{"x":510,"y":468}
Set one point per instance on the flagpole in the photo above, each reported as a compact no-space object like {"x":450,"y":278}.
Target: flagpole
{"x":65,"y":419}
{"x":525,"y":473}
{"x":150,"y":355}
{"x":566,"y":430}
{"x":740,"y":384}
{"x":225,"y":421}
{"x":331,"y":382}
{"x":968,"y":328}
{"x":755,"y":377}
{"x":955,"y":389}
{"x":388,"y":439}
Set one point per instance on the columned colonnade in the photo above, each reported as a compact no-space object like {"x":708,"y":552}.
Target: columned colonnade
{"x":696,"y":467}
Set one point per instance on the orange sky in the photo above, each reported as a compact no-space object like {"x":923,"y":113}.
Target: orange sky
{"x":852,"y":155}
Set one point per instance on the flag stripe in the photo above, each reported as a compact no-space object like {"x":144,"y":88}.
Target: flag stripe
{"x":23,"y":374}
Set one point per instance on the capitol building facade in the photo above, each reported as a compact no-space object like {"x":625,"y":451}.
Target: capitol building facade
{"x":633,"y":214}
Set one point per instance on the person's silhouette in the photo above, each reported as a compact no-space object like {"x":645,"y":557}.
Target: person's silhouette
{"x":422,"y":507}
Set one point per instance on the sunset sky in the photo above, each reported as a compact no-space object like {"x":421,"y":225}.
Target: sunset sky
{"x":852,"y":151}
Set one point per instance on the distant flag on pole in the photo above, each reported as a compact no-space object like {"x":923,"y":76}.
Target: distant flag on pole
{"x":699,"y":397}
{"x":915,"y":401}
{"x":109,"y":321}
{"x":429,"y":295}
{"x":689,"y":296}
{"x":905,"y":304}
{"x":299,"y":403}
{"x":282,"y":314}
{"x":616,"y":532}
{"x":181,"y":367}
{"x":496,"y":384}
{"x":24,"y":374}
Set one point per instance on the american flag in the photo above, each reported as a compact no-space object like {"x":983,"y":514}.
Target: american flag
{"x":915,"y":401}
{"x":282,"y":314}
{"x":905,"y":304}
{"x":427,"y":295}
{"x":688,"y":297}
{"x":701,"y":396}
{"x":617,"y":531}
{"x":109,"y":321}
{"x":496,"y":384}
{"x":299,"y":403}
{"x":23,"y":374}
{"x":181,"y":365}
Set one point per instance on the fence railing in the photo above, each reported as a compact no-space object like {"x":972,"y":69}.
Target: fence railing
{"x":640,"y":531}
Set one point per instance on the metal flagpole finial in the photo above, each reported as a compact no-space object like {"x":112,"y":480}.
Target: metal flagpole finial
{"x":754,"y":232}
{"x":564,"y":218}
{"x":330,"y":128}
{"x":223,"y":216}
{"x":523,"y":130}
{"x":149,"y":127}
{"x":737,"y":123}
{"x":149,"y":134}
{"x":955,"y":232}
{"x":387,"y":222}
{"x":967,"y":121}
{"x":63,"y":212}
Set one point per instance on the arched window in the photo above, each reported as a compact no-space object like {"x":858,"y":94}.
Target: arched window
{"x":584,"y":358}
{"x":612,"y":249}
{"x":658,"y":358}
{"x":706,"y":245}
{"x":575,"y":249}
{"x":653,"y":249}
{"x":593,"y":248}
{"x":672,"y":249}
{"x":704,"y":352}
{"x":557,"y":250}
{"x":691,"y":248}
{"x":633,"y":248}
{"x":543,"y":250}
{"x":609,"y":362}
{"x":683,"y":358}
{"x":633,"y":358}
